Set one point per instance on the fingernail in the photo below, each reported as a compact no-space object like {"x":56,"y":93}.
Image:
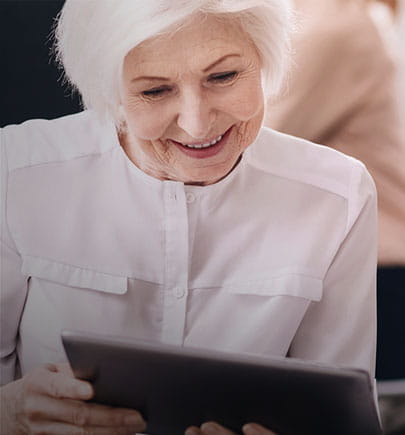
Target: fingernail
{"x":252,"y":429}
{"x":85,"y":390}
{"x":133,"y":420}
{"x":210,"y":428}
{"x":192,"y":431}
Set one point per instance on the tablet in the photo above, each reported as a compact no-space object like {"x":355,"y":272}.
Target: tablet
{"x":176,"y":387}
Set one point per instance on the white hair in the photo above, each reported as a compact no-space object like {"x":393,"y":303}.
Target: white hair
{"x":92,"y":38}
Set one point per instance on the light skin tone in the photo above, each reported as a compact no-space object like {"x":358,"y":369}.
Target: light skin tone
{"x":200,"y":86}
{"x":49,"y":400}
{"x":212,"y":428}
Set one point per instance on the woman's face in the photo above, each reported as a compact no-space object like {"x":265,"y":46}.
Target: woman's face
{"x":192,"y":102}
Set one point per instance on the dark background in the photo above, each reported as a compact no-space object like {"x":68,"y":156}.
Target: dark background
{"x":31,"y":82}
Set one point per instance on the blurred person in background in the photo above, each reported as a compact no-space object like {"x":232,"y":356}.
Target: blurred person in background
{"x":343,"y":91}
{"x":401,"y":42}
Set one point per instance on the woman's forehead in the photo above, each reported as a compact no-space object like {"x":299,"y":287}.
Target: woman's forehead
{"x":199,"y":45}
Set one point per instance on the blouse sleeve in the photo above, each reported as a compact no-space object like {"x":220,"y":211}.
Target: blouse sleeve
{"x":13,"y":285}
{"x":341,"y":327}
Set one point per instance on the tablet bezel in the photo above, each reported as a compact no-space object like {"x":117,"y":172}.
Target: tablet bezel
{"x":175,"y":387}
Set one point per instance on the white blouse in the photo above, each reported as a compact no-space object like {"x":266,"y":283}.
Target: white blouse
{"x":277,"y":259}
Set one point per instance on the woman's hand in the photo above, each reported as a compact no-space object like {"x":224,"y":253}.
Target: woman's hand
{"x":49,"y":400}
{"x":211,"y":428}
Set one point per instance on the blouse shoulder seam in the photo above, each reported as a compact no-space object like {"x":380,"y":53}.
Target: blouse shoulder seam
{"x":335,"y":188}
{"x":60,"y":160}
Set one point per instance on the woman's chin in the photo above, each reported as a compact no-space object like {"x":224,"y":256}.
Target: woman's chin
{"x":206,"y":176}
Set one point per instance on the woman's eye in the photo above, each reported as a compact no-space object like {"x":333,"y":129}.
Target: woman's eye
{"x":156,"y":92}
{"x":223,"y":77}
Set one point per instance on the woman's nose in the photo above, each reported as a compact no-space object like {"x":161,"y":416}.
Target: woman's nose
{"x":195,"y":115}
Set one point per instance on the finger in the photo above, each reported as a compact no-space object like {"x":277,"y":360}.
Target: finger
{"x":256,"y":429}
{"x":93,"y":414}
{"x":192,"y":430}
{"x":64,"y":368}
{"x":212,"y":428}
{"x":82,"y":414}
{"x":51,"y":381}
{"x":66,"y":429}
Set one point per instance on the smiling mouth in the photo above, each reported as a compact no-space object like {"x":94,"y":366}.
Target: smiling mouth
{"x":206,"y":149}
{"x":202,"y":145}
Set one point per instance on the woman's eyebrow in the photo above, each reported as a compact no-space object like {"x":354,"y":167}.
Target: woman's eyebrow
{"x":212,"y":65}
{"x":149,"y":78}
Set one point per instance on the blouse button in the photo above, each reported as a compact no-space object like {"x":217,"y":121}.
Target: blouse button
{"x":190,"y":197}
{"x":179,"y":292}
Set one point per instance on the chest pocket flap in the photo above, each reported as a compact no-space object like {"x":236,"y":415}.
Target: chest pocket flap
{"x":289,"y":284}
{"x":73,"y":276}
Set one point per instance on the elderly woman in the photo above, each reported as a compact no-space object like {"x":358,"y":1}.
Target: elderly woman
{"x":166,"y":212}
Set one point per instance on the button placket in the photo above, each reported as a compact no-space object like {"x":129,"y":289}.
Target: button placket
{"x":176,"y":263}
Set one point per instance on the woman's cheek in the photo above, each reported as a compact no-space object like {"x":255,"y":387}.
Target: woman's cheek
{"x":247,"y":103}
{"x":147,"y":124}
